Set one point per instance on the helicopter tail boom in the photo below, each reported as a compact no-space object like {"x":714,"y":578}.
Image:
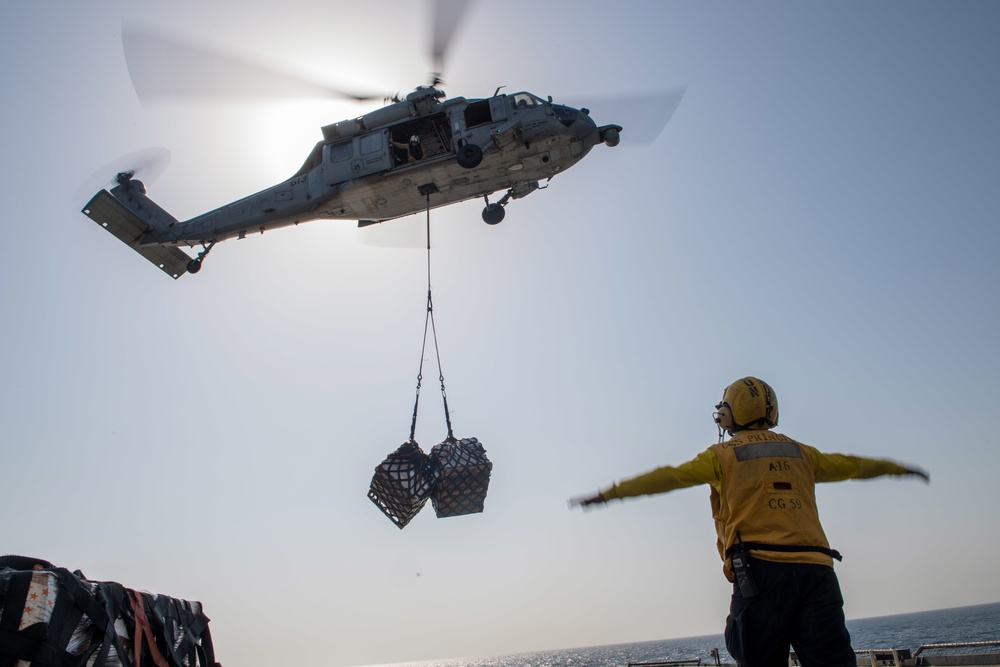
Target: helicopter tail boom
{"x":112,"y":215}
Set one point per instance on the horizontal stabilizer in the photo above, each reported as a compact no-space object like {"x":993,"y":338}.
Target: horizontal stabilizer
{"x":111,"y":214}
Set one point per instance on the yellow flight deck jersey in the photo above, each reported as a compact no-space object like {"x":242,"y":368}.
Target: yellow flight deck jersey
{"x":763,"y":486}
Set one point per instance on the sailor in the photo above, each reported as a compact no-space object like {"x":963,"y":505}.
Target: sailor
{"x":416,"y":149}
{"x":408,"y":152}
{"x":773,"y":548}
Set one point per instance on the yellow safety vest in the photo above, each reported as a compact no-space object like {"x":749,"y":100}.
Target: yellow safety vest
{"x":767,"y":496}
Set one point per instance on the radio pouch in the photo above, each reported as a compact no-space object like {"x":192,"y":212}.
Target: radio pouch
{"x":743,"y":572}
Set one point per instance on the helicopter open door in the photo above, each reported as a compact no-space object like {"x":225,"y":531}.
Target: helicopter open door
{"x":432,"y":132}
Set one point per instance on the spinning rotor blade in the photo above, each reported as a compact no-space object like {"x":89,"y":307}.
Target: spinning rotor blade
{"x":146,"y":164}
{"x":447,"y":16}
{"x":162,"y":67}
{"x":642,"y":116}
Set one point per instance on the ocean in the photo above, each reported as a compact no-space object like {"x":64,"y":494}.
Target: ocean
{"x":906,"y":631}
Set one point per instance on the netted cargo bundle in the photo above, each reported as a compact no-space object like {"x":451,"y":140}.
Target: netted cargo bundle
{"x":463,"y":477}
{"x":402,"y":483}
{"x":51,"y":617}
{"x":455,"y":476}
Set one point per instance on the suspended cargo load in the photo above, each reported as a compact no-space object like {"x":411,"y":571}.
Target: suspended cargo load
{"x":463,"y":477}
{"x":402,"y":483}
{"x":455,"y":476}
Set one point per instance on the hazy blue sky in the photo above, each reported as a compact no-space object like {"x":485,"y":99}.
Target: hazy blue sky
{"x":821,"y":211}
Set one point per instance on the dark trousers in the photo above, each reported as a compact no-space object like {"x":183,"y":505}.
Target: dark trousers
{"x":797,"y":605}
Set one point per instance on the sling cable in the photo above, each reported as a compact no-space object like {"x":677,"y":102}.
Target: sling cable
{"x":455,"y":476}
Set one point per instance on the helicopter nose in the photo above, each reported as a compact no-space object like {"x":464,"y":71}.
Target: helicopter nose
{"x":571,"y":117}
{"x":579,"y":124}
{"x":566,"y":115}
{"x":586,"y":129}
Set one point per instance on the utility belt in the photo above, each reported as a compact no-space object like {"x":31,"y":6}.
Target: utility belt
{"x":788,"y":548}
{"x":739,"y":554}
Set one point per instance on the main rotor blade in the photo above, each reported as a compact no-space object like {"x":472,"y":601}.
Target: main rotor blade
{"x":163,"y":67}
{"x":447,"y":15}
{"x":642,"y":116}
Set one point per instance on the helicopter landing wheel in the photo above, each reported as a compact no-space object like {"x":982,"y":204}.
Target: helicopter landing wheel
{"x":493,"y":214}
{"x":194,"y":266}
{"x":469,"y":156}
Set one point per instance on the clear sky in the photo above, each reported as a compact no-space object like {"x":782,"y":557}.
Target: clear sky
{"x":821,"y":212}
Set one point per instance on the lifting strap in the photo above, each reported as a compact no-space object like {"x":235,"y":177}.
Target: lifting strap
{"x":429,"y":319}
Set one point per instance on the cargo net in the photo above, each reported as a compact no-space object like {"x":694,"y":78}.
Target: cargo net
{"x":463,"y":477}
{"x":455,"y":476}
{"x":52,"y":617}
{"x":402,"y":483}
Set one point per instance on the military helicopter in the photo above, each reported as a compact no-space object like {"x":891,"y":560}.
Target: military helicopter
{"x":416,"y":153}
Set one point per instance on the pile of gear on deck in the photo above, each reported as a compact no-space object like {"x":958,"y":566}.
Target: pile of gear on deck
{"x":51,"y":617}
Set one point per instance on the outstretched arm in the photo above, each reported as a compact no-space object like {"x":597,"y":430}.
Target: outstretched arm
{"x":838,"y":467}
{"x":702,"y":469}
{"x":585,"y":501}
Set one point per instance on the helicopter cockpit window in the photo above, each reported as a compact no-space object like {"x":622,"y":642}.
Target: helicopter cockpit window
{"x":372,"y":143}
{"x":344,"y":151}
{"x":524,"y":100}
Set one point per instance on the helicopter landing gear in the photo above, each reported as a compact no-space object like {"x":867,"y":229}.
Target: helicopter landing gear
{"x":194,"y":266}
{"x":494,"y":213}
{"x":469,"y":156}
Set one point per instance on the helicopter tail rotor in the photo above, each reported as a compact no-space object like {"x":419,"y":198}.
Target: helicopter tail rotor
{"x":147,"y":164}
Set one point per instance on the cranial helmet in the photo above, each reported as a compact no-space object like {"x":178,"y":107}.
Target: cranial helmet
{"x":752,"y":402}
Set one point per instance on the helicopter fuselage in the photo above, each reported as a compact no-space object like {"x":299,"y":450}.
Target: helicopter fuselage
{"x":399,"y":160}
{"x":362,"y":176}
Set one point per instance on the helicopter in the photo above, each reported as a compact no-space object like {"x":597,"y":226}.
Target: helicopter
{"x":418,"y":152}
{"x":413,"y":154}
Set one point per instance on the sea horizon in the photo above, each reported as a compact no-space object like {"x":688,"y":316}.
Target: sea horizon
{"x":908,"y":630}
